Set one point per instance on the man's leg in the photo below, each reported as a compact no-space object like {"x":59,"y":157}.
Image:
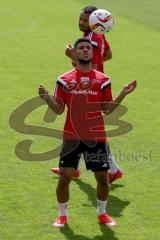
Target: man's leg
{"x":102,"y":185}
{"x":114,"y":172}
{"x":66,"y":174}
{"x":76,"y":173}
{"x":62,"y":191}
{"x":102,"y":197}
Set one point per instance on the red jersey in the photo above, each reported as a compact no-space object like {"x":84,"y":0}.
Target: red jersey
{"x":83,"y":93}
{"x":100,"y":48}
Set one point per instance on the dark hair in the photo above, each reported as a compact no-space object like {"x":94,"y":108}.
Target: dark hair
{"x":79,"y":40}
{"x":89,"y":9}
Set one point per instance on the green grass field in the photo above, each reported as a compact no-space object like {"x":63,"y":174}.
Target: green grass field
{"x":33,"y":36}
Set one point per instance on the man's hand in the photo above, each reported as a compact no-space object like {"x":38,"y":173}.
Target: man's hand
{"x":43,"y":93}
{"x":109,"y":107}
{"x":69,"y":51}
{"x":57,"y":106}
{"x":128,"y":88}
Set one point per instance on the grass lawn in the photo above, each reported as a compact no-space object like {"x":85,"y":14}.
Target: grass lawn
{"x":33,"y":36}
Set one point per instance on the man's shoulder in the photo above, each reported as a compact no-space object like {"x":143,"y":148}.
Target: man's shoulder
{"x":98,"y":39}
{"x":101,"y":75}
{"x":103,"y":79}
{"x":97,"y":36}
{"x":64,"y":78}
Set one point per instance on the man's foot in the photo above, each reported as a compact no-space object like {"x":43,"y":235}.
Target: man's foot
{"x":113,"y":177}
{"x":60,"y":221}
{"x":106,"y":220}
{"x":76,"y":172}
{"x":55,"y":170}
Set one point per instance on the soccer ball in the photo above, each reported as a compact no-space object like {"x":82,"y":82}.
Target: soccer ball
{"x":101,"y":21}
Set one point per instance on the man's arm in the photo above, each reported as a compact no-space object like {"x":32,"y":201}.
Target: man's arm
{"x":107,"y":55}
{"x":109,"y":107}
{"x":56,"y":107}
{"x":107,"y":50}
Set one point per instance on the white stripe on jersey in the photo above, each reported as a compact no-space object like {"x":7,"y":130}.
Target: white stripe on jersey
{"x":105,"y":84}
{"x":62,"y":82}
{"x":90,"y":38}
{"x":90,"y":35}
{"x":94,"y":43}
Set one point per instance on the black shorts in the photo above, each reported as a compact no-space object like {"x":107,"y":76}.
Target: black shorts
{"x":95,"y":154}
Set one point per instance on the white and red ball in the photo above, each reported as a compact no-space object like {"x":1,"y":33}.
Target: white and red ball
{"x":101,"y":21}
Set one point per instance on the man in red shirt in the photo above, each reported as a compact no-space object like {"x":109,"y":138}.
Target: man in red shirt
{"x":101,"y":49}
{"x":101,"y":52}
{"x":86,"y":93}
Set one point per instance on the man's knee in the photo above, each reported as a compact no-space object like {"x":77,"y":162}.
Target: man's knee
{"x":102,"y":179}
{"x":64,"y":180}
{"x":65,"y":177}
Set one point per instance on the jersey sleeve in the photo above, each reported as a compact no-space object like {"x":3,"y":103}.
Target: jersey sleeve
{"x":59,"y":93}
{"x":106,"y":47}
{"x":96,"y":43}
{"x":95,"y":58}
{"x":106,"y":91}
